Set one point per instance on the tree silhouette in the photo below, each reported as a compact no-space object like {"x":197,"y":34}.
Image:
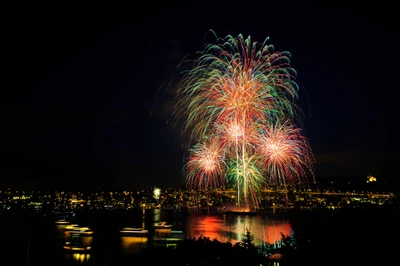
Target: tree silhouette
{"x":248,"y":239}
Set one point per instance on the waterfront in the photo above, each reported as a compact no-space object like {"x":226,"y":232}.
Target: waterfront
{"x":36,"y":239}
{"x":327,"y":237}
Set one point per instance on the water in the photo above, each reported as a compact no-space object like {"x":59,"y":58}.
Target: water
{"x":265,"y":228}
{"x":333,"y":237}
{"x":36,"y":239}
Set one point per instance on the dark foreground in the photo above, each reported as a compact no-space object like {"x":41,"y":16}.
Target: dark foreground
{"x":323,"y":237}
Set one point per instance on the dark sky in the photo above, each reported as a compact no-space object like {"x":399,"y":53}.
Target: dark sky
{"x":78,"y":84}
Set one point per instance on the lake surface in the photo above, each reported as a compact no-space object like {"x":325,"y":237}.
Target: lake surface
{"x":265,"y":228}
{"x":334,"y":237}
{"x":37,"y":239}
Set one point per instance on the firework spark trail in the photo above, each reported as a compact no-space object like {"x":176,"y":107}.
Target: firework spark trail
{"x":230,"y":100}
{"x":206,"y":166}
{"x":286,"y":153}
{"x":250,"y":179}
{"x":235,"y":80}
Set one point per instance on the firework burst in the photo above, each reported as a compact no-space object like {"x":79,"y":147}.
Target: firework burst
{"x":237,"y":79}
{"x":205,"y":167}
{"x":286,"y":154}
{"x":231,"y":101}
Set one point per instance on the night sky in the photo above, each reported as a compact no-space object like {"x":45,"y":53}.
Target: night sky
{"x":81,"y":104}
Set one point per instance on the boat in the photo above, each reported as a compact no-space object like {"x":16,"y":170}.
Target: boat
{"x":163,"y":225}
{"x":71,"y":227}
{"x":61,"y":222}
{"x":76,"y":229}
{"x":78,"y":243}
{"x":82,"y":231}
{"x":74,"y":248}
{"x":134,"y":231}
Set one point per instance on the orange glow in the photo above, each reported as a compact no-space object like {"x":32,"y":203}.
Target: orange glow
{"x":133,"y":244}
{"x":81,"y":257}
{"x":222,"y":229}
{"x":163,"y":231}
{"x":235,"y":131}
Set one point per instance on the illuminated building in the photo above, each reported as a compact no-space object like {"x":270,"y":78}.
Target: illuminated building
{"x":370,"y":178}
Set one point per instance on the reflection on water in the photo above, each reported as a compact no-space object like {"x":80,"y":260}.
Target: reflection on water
{"x":77,"y":242}
{"x":32,"y":240}
{"x":265,"y":229}
{"x":78,"y":257}
{"x":225,"y":228}
{"x":133,"y":244}
{"x":77,"y":247}
{"x":156,"y":215}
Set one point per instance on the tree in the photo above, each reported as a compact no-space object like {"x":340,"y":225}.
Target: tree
{"x":248,"y":239}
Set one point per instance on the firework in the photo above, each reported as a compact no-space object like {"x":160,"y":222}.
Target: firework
{"x":247,"y":177}
{"x":286,"y":154}
{"x":230,"y":100}
{"x":236,"y":79}
{"x":205,"y":167}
